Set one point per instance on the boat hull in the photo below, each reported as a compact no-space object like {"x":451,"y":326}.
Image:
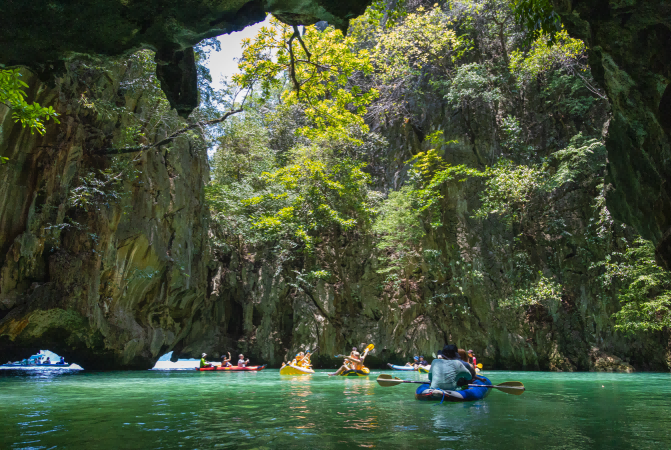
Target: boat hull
{"x":290,"y":369}
{"x":423,"y":369}
{"x":424,"y":392}
{"x":231,"y":369}
{"x":356,"y":373}
{"x":41,"y":367}
{"x":403,"y":368}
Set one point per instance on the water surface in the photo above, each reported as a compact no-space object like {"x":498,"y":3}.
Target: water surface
{"x":205,"y":410}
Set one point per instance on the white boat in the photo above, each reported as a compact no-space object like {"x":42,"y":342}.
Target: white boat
{"x":38,"y":362}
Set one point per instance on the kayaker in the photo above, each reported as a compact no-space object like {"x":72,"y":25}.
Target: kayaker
{"x":413,"y":363}
{"x":226,"y":362}
{"x":422,"y":361}
{"x":472,"y":359}
{"x":464,"y":359}
{"x":448,"y":372}
{"x":242,"y":362}
{"x":62,"y":361}
{"x":355,"y":361}
{"x":204,"y":364}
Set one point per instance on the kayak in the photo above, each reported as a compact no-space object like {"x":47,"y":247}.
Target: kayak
{"x":290,"y":369}
{"x":10,"y":366}
{"x":356,"y":373}
{"x":404,"y":368}
{"x":421,"y":369}
{"x":424,"y":392}
{"x":231,"y":369}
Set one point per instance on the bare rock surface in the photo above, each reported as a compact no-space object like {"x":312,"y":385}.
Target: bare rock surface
{"x":42,"y":34}
{"x":630,"y":56}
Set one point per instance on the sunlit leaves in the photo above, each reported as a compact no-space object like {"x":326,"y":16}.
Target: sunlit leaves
{"x":645,"y":288}
{"x":424,"y":38}
{"x":320,"y":79}
{"x":12,"y":94}
{"x":313,"y":195}
{"x":564,"y":51}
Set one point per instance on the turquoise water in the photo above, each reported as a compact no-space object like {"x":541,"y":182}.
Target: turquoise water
{"x":205,"y":410}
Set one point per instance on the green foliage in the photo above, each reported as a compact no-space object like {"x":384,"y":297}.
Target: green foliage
{"x":509,"y":188}
{"x":538,"y":17}
{"x":472,"y":82}
{"x":644,"y":288}
{"x":544,"y":292}
{"x":386,"y":13}
{"x":564,"y":51}
{"x":424,"y":38}
{"x":400,"y":228}
{"x":315,"y":194}
{"x":12,"y":94}
{"x":581,"y":157}
{"x":320,"y":70}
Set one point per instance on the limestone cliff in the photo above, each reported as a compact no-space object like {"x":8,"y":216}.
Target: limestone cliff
{"x":103,"y":257}
{"x":629,"y":44}
{"x":42,"y":34}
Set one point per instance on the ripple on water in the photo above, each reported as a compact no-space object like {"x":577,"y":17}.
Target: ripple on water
{"x":163,"y":410}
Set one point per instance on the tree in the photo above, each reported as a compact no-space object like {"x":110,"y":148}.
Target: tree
{"x":320,"y":70}
{"x":12,"y":95}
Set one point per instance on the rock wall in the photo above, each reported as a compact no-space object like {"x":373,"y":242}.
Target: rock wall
{"x":454,"y":296}
{"x":114,"y":283}
{"x":629,"y":44}
{"x":42,"y":34}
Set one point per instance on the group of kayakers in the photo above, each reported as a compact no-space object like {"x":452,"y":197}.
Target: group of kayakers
{"x":452,"y":367}
{"x":417,"y":361}
{"x":225,"y":362}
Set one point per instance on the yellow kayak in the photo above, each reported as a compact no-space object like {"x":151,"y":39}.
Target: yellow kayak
{"x":356,"y":373}
{"x":290,"y":369}
{"x":423,"y":369}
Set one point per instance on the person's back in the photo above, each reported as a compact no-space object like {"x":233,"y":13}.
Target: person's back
{"x":445,"y":373}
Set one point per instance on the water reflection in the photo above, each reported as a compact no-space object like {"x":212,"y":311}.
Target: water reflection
{"x":158,"y":410}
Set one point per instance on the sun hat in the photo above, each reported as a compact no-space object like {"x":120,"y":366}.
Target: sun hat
{"x":203,"y":355}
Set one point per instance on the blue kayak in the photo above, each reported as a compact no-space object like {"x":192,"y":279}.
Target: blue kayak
{"x":406,"y":368}
{"x":424,"y":392}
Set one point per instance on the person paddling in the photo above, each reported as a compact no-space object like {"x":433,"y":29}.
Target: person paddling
{"x":413,"y":363}
{"x":472,"y":359}
{"x":355,"y":362}
{"x":448,"y":372}
{"x":226,"y":362}
{"x":242,"y":362}
{"x":422,"y":361}
{"x":204,"y":364}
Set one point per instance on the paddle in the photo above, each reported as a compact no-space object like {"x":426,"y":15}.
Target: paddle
{"x":367,"y":349}
{"x":509,"y":387}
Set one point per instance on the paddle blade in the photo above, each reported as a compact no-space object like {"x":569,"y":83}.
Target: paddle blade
{"x":511,"y":387}
{"x":386,"y":380}
{"x":479,"y":366}
{"x":370,"y":347}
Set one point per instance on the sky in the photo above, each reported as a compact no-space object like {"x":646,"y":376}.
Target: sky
{"x":224,"y":63}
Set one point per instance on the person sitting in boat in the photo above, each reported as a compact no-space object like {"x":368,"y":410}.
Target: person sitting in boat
{"x":464,"y":360}
{"x":472,"y":359}
{"x":62,"y":361}
{"x":422,"y":361}
{"x":204,"y":364}
{"x":448,"y":372}
{"x":413,"y":363}
{"x":352,"y":362}
{"x":226,"y":362}
{"x":242,"y":362}
{"x":47,"y":361}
